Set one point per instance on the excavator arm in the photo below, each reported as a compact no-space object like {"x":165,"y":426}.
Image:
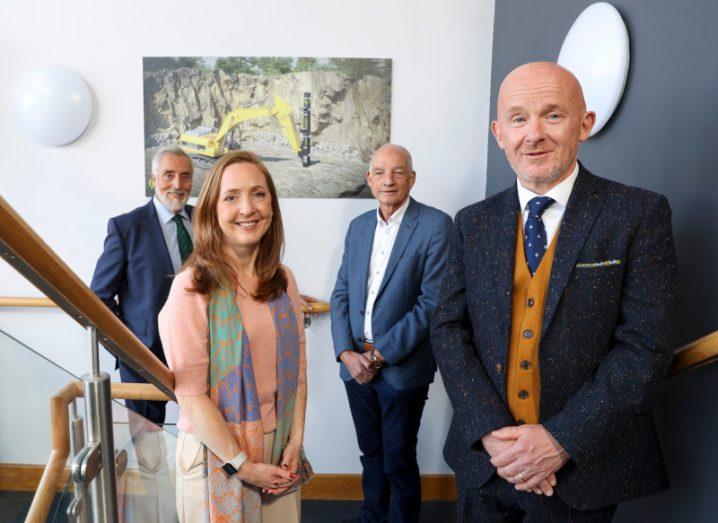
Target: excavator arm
{"x":283,"y":111}
{"x":240,"y":115}
{"x":212,"y":144}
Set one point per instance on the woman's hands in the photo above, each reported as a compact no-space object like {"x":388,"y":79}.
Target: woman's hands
{"x":289,"y":463}
{"x":290,"y":456}
{"x":268,"y":477}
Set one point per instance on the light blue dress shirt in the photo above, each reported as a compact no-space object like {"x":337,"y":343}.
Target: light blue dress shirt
{"x":169,"y":230}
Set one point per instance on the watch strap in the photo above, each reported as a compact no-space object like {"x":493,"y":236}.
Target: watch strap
{"x":232,"y":466}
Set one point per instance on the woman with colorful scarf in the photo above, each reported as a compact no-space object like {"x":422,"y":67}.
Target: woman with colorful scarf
{"x":233,"y":336}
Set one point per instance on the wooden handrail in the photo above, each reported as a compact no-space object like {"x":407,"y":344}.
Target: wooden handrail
{"x":690,"y":356}
{"x":60,"y":449}
{"x":16,"y":301}
{"x":137,"y":391}
{"x":696,"y":354}
{"x":60,"y":438}
{"x":22,"y":248}
{"x":310,"y":306}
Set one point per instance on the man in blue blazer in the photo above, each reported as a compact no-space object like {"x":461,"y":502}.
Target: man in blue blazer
{"x":143,"y":251}
{"x":381,"y":309}
{"x":556,"y":322}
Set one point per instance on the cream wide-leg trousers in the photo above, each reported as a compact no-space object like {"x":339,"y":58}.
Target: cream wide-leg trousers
{"x":191,"y":485}
{"x":145,"y":493}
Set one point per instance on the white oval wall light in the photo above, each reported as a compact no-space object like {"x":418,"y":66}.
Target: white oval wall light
{"x":53,"y":105}
{"x":596,"y":51}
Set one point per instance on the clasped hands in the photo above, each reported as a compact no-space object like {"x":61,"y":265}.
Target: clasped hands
{"x":360,"y":365}
{"x":527,"y":456}
{"x":274,"y":479}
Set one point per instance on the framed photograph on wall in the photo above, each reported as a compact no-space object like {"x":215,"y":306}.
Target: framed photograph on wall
{"x":313,"y":121}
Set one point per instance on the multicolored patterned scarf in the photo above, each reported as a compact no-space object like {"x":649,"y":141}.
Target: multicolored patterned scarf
{"x":233,"y":389}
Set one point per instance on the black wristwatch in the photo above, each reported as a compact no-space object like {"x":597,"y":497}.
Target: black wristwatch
{"x":232,"y":467}
{"x":229,"y":469}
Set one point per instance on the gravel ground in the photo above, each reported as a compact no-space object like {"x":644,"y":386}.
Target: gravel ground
{"x":326,"y":178}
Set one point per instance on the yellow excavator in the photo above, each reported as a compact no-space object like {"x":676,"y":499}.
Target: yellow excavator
{"x":205,"y":144}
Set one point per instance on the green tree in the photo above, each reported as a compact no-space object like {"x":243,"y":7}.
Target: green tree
{"x":188,"y":61}
{"x":257,"y":65}
{"x":236,"y":65}
{"x":273,"y":65}
{"x":155,"y":63}
{"x":356,"y":68}
{"x":306,"y":64}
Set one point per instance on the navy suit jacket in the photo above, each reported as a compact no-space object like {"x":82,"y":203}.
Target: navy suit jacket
{"x":607,"y":337}
{"x":406,"y":299}
{"x":135,"y":268}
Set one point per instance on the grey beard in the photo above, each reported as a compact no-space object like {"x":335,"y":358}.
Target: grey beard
{"x":172,"y":205}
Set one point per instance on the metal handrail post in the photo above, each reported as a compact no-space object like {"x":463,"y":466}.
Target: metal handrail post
{"x":98,"y":416}
{"x":79,"y":509}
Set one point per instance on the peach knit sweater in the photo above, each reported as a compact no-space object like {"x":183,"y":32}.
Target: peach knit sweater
{"x":185,"y":339}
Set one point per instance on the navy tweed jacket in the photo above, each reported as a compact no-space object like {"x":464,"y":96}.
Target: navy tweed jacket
{"x":608,"y":335}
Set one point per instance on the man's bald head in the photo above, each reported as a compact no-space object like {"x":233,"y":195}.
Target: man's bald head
{"x":392,"y":148}
{"x":540,"y":119}
{"x":547,"y":73}
{"x":390,"y":177}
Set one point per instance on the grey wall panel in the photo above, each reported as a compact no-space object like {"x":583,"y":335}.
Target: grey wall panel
{"x":664,"y":136}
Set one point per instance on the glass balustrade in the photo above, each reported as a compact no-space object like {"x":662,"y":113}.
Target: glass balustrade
{"x":145,"y":452}
{"x":146,"y":488}
{"x":27,"y":382}
{"x":59,"y":510}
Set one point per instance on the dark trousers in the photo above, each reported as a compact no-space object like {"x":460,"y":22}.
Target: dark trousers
{"x":387,"y":423}
{"x":153,"y":411}
{"x":499,"y":501}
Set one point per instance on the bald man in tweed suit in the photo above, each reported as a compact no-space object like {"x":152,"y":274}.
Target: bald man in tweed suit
{"x":555,"y":323}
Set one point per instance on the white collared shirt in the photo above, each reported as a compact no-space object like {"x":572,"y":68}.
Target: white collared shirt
{"x":553,"y":214}
{"x":169,"y":230}
{"x":384,"y":237}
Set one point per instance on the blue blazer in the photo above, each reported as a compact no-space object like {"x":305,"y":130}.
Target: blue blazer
{"x":406,"y":299}
{"x":607,"y":339}
{"x":135,"y":268}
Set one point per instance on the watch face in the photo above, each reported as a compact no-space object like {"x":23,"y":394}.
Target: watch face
{"x":229,"y":469}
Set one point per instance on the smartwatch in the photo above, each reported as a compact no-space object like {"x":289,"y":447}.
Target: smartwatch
{"x":232,"y":467}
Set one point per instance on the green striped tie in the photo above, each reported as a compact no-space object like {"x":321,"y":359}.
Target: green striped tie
{"x":183,"y":239}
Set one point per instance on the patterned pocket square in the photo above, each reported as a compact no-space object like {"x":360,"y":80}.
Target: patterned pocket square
{"x":596,"y":265}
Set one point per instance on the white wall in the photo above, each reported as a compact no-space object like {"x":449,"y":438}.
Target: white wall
{"x":441,"y":55}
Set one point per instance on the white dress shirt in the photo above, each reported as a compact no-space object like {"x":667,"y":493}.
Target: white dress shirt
{"x":553,"y":214}
{"x":169,"y":230}
{"x":384,"y":238}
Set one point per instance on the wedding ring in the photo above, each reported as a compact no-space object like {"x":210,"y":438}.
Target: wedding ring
{"x":521,"y":477}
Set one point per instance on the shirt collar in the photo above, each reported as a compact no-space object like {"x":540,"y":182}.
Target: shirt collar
{"x":560,"y":193}
{"x":164,"y":214}
{"x":396,"y":216}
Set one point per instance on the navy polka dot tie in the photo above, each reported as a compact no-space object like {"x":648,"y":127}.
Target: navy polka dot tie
{"x":535,"y":240}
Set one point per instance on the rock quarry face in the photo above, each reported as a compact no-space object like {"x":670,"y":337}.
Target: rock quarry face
{"x":349,"y":118}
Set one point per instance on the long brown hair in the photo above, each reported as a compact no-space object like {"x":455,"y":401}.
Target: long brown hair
{"x":210,"y":265}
